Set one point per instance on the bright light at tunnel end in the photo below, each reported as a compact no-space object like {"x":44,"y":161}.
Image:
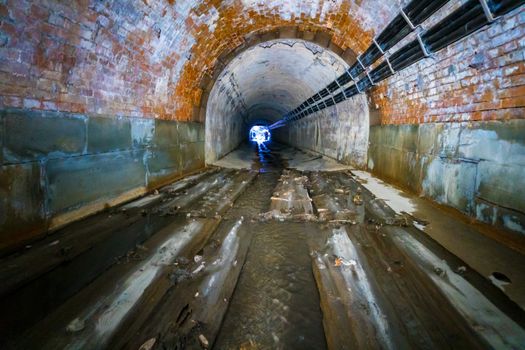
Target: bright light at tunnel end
{"x":260,"y":134}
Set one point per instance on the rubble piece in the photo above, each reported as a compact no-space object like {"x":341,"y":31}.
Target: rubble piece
{"x":148,"y":344}
{"x":331,"y":200}
{"x":291,"y":196}
{"x":461,"y":269}
{"x":203,"y":341}
{"x":76,"y":325}
{"x":357,"y":200}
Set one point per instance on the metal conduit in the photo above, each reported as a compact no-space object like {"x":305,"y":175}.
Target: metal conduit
{"x":401,"y":26}
{"x":467,"y":19}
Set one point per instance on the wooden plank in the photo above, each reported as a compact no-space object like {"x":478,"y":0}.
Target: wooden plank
{"x":193,"y":308}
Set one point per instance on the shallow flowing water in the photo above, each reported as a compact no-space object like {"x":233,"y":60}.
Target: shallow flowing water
{"x":276,"y":303}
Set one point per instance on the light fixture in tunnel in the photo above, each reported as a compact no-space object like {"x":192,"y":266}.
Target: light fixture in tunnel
{"x":260,"y":134}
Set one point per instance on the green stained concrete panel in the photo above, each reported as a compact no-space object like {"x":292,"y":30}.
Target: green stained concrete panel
{"x":1,"y":138}
{"x":108,"y":134}
{"x":192,"y":156}
{"x":163,"y":164}
{"x":450,"y":182}
{"x":374,"y":137}
{"x":427,"y":139}
{"x":166,"y":133}
{"x":393,"y":153}
{"x":494,"y":214}
{"x":202,"y":133}
{"x":475,"y":167}
{"x":503,"y":184}
{"x":190,"y":132}
{"x":500,"y":142}
{"x":380,"y":135}
{"x":35,"y":135}
{"x":396,"y":165}
{"x":142,"y":132}
{"x":22,"y":213}
{"x":509,"y":130}
{"x":406,"y":137}
{"x":76,"y":181}
{"x":449,"y":138}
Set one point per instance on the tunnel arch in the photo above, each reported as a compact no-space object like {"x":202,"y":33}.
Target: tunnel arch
{"x":319,"y":35}
{"x":296,"y":65}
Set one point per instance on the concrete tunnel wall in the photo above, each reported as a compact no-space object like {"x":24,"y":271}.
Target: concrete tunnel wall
{"x":273,"y":77}
{"x":58,"y":167}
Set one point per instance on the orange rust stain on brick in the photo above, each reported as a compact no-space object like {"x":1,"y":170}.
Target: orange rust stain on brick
{"x":233,"y":26}
{"x":73,"y":57}
{"x":394,"y":108}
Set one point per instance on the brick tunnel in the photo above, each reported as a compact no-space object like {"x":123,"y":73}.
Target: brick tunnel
{"x":384,"y":208}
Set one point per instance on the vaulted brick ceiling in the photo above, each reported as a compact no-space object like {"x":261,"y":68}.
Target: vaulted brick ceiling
{"x":149,"y":58}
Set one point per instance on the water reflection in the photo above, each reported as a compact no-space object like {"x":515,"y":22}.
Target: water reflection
{"x":267,"y":157}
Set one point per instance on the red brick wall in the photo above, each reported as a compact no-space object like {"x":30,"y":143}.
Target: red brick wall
{"x":481,"y":77}
{"x":146,"y":58}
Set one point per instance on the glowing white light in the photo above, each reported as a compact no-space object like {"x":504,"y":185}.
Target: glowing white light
{"x":260,"y":134}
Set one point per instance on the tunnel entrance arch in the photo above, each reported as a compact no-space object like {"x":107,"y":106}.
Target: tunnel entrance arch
{"x":272,"y":76}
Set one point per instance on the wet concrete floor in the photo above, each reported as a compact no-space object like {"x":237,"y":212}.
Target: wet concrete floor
{"x":261,"y":258}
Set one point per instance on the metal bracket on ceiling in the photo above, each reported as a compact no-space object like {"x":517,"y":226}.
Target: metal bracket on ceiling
{"x":347,"y":72}
{"x":418,"y":29}
{"x":366,"y":72}
{"x":487,"y":11}
{"x":412,"y":26}
{"x":378,"y":47}
{"x":340,"y":88}
{"x":358,"y":89}
{"x":385,"y":55}
{"x":356,"y":83}
{"x":354,"y":80}
{"x":361,"y":63}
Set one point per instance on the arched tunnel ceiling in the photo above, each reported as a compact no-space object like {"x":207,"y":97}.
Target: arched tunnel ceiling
{"x":263,"y":83}
{"x":345,"y":24}
{"x":276,"y":76}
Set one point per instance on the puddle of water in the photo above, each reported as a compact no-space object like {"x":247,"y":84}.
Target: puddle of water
{"x":393,"y":197}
